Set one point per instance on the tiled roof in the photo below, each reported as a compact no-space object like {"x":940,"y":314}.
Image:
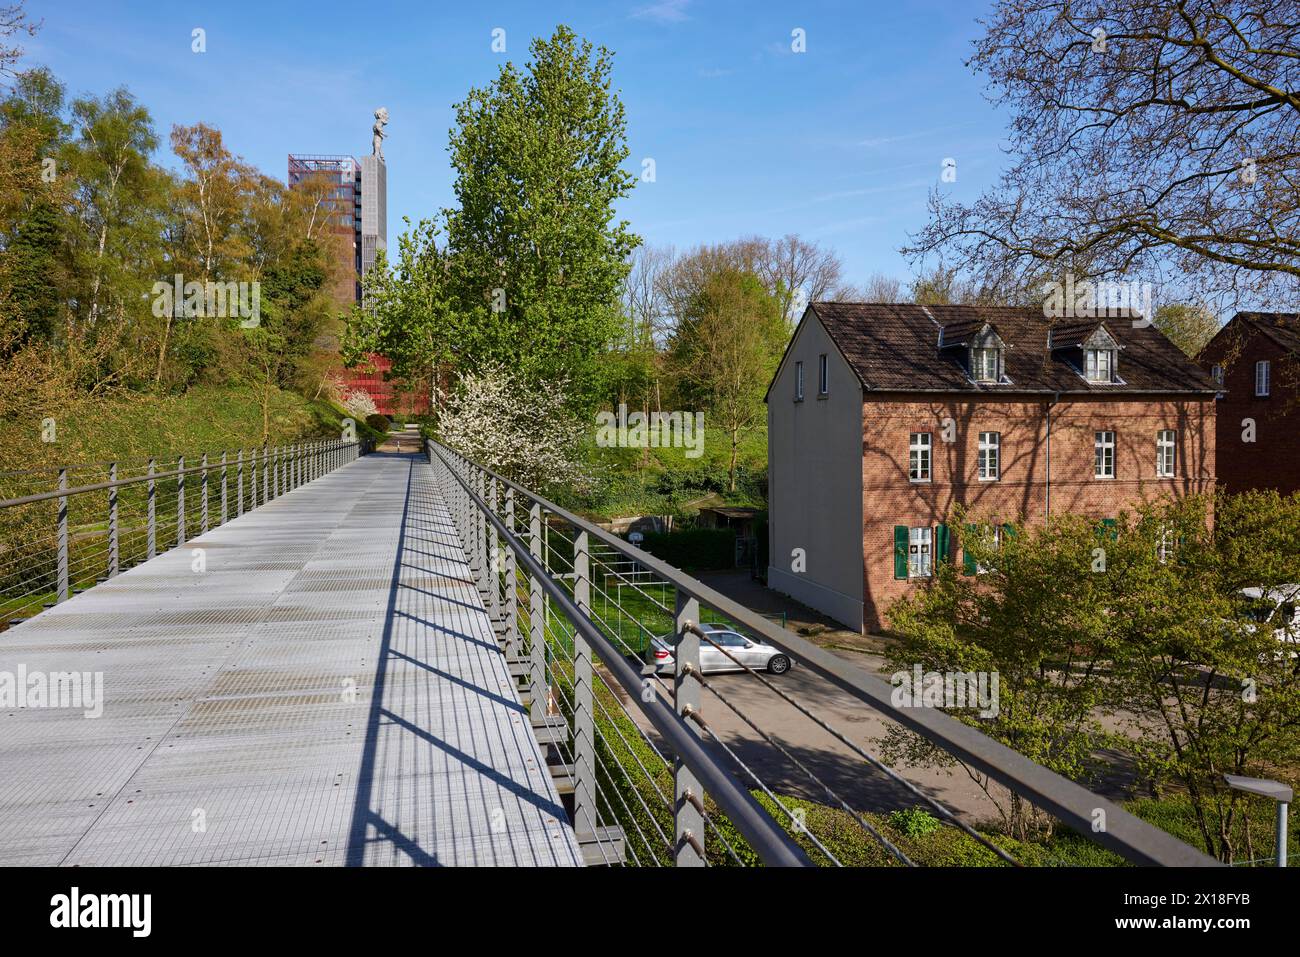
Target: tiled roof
{"x":1282,"y":327}
{"x":896,"y":348}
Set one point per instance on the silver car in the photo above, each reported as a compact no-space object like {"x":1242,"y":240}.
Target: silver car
{"x":753,"y":654}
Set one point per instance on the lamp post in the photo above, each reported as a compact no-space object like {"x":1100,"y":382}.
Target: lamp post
{"x":1276,"y":790}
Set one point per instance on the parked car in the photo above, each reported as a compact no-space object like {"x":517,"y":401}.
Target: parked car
{"x":754,"y":654}
{"x":1278,"y":608}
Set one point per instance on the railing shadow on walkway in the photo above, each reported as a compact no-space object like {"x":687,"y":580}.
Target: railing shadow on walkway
{"x":390,"y":730}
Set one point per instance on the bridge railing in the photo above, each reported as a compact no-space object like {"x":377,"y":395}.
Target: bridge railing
{"x":64,"y":529}
{"x":652,"y":775}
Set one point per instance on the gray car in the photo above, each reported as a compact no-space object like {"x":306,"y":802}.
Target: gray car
{"x":747,"y":651}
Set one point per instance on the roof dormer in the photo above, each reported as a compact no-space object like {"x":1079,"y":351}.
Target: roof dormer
{"x":1100,"y":356}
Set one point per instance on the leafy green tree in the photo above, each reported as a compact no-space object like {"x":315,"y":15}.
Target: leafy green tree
{"x":1201,"y":680}
{"x":537,"y":256}
{"x":118,"y":195}
{"x":35,"y":274}
{"x":1149,"y":622}
{"x":724,"y":351}
{"x":408,"y":312}
{"x":1189,"y":326}
{"x":1025,"y":606}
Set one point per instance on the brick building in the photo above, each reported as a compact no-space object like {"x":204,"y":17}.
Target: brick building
{"x":883,"y":418}
{"x":1253,"y":358}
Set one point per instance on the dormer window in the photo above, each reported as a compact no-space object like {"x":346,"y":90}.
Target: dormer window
{"x":1099,"y":365}
{"x":986,"y":357}
{"x":1100,"y":357}
{"x":986,"y":364}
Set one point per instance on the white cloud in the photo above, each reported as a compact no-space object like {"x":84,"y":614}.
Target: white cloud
{"x":665,"y":11}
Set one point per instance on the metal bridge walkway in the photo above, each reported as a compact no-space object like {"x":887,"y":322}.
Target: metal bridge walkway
{"x":327,"y":691}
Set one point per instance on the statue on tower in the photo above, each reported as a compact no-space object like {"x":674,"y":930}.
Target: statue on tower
{"x":381,"y":120}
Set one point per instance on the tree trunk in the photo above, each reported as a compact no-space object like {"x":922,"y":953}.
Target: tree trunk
{"x":735,"y":448}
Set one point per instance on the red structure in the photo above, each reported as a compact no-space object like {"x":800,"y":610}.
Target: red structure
{"x":387,"y":397}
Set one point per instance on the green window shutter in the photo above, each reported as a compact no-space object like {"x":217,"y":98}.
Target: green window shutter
{"x":900,"y":551}
{"x":941,"y":543}
{"x":968,"y":561}
{"x":1108,"y":528}
{"x":1008,"y":530}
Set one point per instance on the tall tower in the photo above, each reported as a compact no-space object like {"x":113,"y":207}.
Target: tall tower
{"x":374,"y":195}
{"x":374,"y":209}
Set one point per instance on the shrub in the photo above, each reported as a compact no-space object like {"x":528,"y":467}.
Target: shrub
{"x":914,"y":822}
{"x":378,"y":421}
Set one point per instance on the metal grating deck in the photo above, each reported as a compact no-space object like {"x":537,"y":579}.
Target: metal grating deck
{"x":327,"y":691}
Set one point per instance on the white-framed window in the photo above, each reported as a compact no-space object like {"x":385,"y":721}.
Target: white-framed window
{"x":798,"y":381}
{"x":997,"y":544}
{"x":1166,"y":446}
{"x":990,"y":456}
{"x":986,"y":364}
{"x":1262,"y":373}
{"x":1099,"y":365}
{"x":1103,"y":455}
{"x":919,"y":546}
{"x":1165,"y":544}
{"x":918,"y":457}
{"x":823,"y":376}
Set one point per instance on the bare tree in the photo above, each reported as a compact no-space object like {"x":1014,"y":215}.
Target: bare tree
{"x":793,"y":271}
{"x":797,"y":272}
{"x":13,"y":23}
{"x":878,"y":288}
{"x":1150,"y":138}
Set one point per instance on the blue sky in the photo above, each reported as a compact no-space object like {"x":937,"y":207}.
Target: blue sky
{"x":840,"y":143}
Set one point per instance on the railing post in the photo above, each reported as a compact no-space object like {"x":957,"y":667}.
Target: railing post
{"x":276,"y":462}
{"x":180,"y":501}
{"x":475,"y":560}
{"x":223,"y":487}
{"x":494,"y":557}
{"x":113,"y":556}
{"x":511,"y":585}
{"x":203,"y":510}
{"x":688,"y":822}
{"x":63,"y":538}
{"x":266,"y":477}
{"x":152,"y":534}
{"x":584,"y":732}
{"x":536,"y":614}
{"x":239,"y":483}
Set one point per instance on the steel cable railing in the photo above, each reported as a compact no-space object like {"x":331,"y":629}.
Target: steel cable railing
{"x":56,"y":542}
{"x":548,"y":580}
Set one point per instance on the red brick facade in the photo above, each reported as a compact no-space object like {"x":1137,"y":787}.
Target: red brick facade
{"x":1024,"y":487}
{"x":1259,"y":435}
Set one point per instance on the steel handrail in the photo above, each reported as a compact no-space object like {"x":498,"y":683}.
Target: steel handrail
{"x":1124,"y":833}
{"x":768,"y":838}
{"x":103,"y":486}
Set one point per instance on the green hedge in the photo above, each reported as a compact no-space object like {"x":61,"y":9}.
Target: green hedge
{"x":695,"y":549}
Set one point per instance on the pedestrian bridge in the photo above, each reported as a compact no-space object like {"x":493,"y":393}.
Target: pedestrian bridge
{"x":315,"y":682}
{"x":310,"y":656}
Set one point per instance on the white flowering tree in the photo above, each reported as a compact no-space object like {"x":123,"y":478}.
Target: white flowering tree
{"x":359,"y":404}
{"x":525,"y":433}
